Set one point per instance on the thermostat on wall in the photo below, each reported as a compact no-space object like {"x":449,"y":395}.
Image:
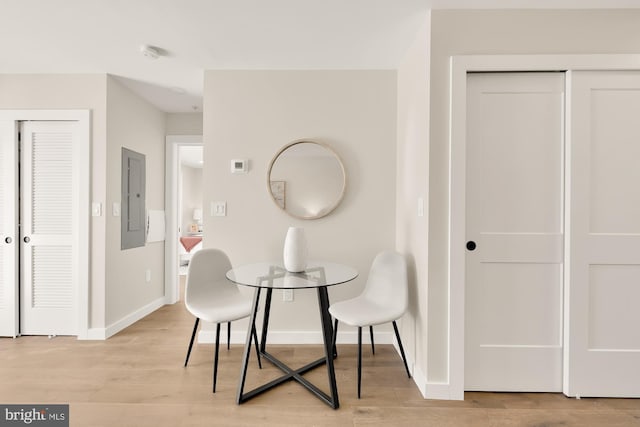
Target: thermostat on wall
{"x":239,"y":166}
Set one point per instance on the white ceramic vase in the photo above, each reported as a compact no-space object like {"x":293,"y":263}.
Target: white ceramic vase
{"x":295,"y":250}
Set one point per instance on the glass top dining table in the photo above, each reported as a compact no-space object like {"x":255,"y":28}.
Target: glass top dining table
{"x":274,"y":275}
{"x":269,"y":276}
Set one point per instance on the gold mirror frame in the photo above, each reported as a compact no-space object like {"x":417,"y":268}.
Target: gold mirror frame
{"x":277,"y":189}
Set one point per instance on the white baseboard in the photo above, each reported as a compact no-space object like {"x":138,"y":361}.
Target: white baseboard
{"x":209,"y":336}
{"x":440,"y":391}
{"x":351,"y":337}
{"x":420,"y":379}
{"x":417,"y":375}
{"x":130,"y":319}
{"x":96,"y":334}
{"x":293,"y":337}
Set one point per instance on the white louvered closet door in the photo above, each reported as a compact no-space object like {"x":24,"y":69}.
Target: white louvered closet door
{"x":48,"y":291}
{"x":8,"y":229}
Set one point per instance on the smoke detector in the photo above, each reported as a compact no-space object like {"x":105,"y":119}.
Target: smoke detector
{"x":150,"y":51}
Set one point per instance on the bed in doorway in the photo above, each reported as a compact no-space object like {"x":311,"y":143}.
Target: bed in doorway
{"x":188,"y":246}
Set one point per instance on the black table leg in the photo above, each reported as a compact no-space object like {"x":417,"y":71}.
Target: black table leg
{"x":247,"y":346}
{"x":265,"y":320}
{"x":293,"y":374}
{"x":327,"y":335}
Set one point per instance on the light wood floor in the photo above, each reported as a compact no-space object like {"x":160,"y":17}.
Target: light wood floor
{"x":136,"y":379}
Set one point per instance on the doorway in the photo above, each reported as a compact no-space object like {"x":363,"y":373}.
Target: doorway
{"x":182,"y":213}
{"x":190,"y":190}
{"x":44,"y":223}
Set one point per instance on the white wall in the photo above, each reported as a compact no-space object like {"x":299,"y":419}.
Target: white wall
{"x":134,"y":124}
{"x":73,"y":91}
{"x":252,"y":114}
{"x":462,"y":32}
{"x":413,"y":187}
{"x":184,"y":123}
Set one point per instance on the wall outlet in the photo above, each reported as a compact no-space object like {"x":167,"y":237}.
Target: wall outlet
{"x":287,"y":295}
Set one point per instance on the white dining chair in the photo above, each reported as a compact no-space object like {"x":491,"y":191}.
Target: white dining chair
{"x":383,"y":300}
{"x":211,"y":297}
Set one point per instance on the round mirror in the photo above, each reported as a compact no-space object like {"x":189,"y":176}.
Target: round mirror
{"x":306,"y":179}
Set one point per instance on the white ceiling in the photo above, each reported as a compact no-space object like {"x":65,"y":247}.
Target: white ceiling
{"x":104,"y":36}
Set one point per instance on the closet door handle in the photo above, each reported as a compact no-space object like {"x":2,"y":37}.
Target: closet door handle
{"x":8,"y":240}
{"x":26,"y":239}
{"x":471,"y":245}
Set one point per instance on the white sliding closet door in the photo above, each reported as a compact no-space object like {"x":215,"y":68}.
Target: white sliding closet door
{"x":8,"y":229}
{"x":48,"y":273}
{"x":603,"y":339}
{"x":514,"y":225}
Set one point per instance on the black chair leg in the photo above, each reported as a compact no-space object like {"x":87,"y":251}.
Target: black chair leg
{"x":359,"y":358}
{"x":373,"y":348}
{"x":215,"y":359}
{"x":335,"y":337}
{"x":255,"y":340}
{"x":228,"y":335}
{"x":193,"y":335}
{"x":404,"y":359}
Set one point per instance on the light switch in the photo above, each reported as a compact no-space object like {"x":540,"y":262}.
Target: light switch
{"x":96,"y":209}
{"x":420,"y":207}
{"x":116,"y":209}
{"x":218,"y":208}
